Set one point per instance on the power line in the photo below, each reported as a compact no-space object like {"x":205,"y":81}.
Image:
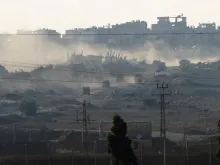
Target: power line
{"x":115,"y":34}
{"x":74,"y":81}
{"x":45,"y":80}
{"x":22,"y":63}
{"x":69,"y":69}
{"x":62,"y":81}
{"x":69,"y":81}
{"x":36,"y":66}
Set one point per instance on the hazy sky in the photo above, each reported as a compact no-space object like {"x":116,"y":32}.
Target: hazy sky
{"x":65,"y":14}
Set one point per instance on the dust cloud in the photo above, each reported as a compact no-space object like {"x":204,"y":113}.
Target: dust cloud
{"x":31,"y":51}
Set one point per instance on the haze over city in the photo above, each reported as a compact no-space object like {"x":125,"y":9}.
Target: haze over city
{"x":66,"y":14}
{"x":68,"y":66}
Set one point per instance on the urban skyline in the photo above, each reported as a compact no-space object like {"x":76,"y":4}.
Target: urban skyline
{"x":145,"y":26}
{"x":113,"y":35}
{"x":66,"y":14}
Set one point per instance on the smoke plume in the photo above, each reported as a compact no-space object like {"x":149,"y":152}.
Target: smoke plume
{"x":42,"y":50}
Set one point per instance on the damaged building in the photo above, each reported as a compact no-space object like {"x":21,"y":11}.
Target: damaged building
{"x":165,"y":24}
{"x":171,"y":25}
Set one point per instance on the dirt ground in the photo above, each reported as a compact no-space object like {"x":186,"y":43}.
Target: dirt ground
{"x":175,"y":121}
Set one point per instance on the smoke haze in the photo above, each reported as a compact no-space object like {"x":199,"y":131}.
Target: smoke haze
{"x":40,"y":50}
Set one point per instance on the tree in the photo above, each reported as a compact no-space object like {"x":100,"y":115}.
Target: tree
{"x":160,"y":66}
{"x":184,"y":63}
{"x":28,"y":108}
{"x":119,"y":145}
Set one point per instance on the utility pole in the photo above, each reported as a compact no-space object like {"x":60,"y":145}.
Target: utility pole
{"x":185,"y":142}
{"x":85,"y":117}
{"x":85,"y":120}
{"x":162,"y":95}
{"x":30,"y":136}
{"x":26,"y":155}
{"x":77,"y":116}
{"x":84,"y":124}
{"x":79,"y":120}
{"x":14,"y":133}
{"x":162,"y":109}
{"x":206,"y":118}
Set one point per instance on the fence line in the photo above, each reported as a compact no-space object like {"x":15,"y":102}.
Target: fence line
{"x":186,"y":151}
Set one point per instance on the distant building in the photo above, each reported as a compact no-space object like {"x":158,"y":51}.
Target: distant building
{"x":44,"y":33}
{"x":99,"y":37}
{"x":129,"y":27}
{"x":165,"y":24}
{"x":206,"y":28}
{"x":170,"y":24}
{"x":25,"y":32}
{"x":48,"y":33}
{"x":81,"y":35}
{"x":91,"y":62}
{"x":133,"y":27}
